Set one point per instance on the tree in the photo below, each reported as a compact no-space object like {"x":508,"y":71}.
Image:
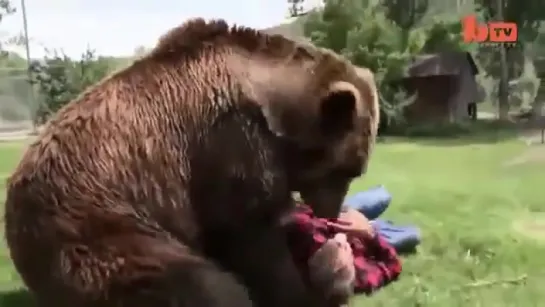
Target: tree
{"x":295,"y":7}
{"x":14,"y":89}
{"x":330,"y":26}
{"x":15,"y":92}
{"x":60,"y":79}
{"x":362,"y":32}
{"x":5,"y":8}
{"x":529,"y":16}
{"x":365,"y":33}
{"x":140,"y":51}
{"x":406,"y":14}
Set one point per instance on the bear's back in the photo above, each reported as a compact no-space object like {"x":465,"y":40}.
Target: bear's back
{"x":148,"y":142}
{"x":114,"y":150}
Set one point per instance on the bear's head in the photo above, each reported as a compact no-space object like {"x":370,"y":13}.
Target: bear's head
{"x":325,"y":112}
{"x":321,"y":110}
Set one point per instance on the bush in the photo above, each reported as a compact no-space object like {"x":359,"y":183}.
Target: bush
{"x":480,"y":128}
{"x":60,"y":79}
{"x":383,"y":36}
{"x":438,"y":130}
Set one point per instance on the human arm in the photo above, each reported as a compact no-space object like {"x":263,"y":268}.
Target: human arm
{"x":375,"y":262}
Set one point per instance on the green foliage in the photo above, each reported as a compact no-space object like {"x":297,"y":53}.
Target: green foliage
{"x":295,"y":7}
{"x":380,"y":36}
{"x":365,"y":35}
{"x":528,"y":15}
{"x":530,"y":18}
{"x":435,"y":130}
{"x":405,"y":13}
{"x":330,"y":26}
{"x":15,"y":91}
{"x":60,"y":79}
{"x":423,"y":26}
{"x":6,"y":8}
{"x":523,"y":90}
{"x":446,"y":130}
{"x":11,"y":61}
{"x":445,"y":35}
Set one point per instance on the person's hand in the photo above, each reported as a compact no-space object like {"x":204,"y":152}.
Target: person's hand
{"x":353,"y":222}
{"x":332,"y":270}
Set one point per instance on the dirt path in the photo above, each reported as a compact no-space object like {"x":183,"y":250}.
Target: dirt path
{"x":532,"y":137}
{"x":534,"y":154}
{"x":20,"y":135}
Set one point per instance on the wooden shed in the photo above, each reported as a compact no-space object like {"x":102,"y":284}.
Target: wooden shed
{"x":445,"y":85}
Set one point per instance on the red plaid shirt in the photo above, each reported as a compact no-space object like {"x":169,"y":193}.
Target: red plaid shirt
{"x":375,"y":261}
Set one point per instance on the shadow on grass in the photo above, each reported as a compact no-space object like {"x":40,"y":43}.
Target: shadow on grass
{"x":473,"y":133}
{"x":16,"y":298}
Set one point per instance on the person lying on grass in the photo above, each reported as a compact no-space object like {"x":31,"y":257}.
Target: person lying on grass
{"x":341,"y":256}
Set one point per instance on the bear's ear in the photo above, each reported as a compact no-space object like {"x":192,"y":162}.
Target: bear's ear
{"x":339,"y":107}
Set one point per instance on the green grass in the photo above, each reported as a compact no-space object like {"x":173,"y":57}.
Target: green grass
{"x":10,"y":285}
{"x":467,"y":197}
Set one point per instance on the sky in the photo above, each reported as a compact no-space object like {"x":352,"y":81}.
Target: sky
{"x":118,"y":27}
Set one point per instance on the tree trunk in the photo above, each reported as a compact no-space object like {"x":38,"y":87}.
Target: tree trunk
{"x":503,"y":90}
{"x":539,"y":101}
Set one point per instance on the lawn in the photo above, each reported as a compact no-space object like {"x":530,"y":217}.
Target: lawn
{"x":479,"y":206}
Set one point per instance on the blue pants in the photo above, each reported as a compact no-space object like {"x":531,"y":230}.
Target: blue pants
{"x":372,"y":203}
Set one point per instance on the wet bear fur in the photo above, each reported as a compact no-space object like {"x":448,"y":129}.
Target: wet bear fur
{"x":165,"y":184}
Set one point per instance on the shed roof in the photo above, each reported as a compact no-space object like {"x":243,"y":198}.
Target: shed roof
{"x":444,"y":63}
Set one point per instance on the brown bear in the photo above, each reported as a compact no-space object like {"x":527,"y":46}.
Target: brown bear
{"x":166,"y":183}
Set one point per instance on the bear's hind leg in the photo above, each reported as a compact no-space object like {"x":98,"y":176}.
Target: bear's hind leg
{"x":263,"y":261}
{"x":145,"y":271}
